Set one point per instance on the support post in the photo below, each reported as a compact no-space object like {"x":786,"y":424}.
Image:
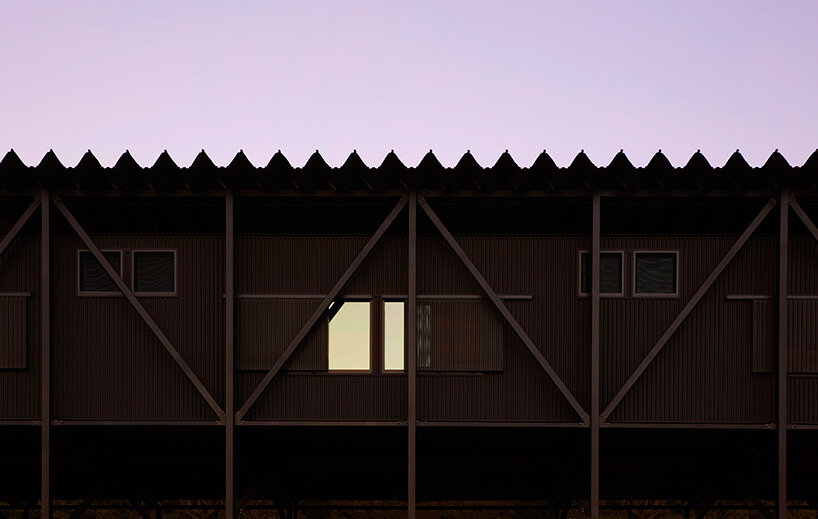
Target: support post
{"x":45,"y":355}
{"x":411,"y":357}
{"x":229,"y":330}
{"x":595,"y":291}
{"x":783,"y":289}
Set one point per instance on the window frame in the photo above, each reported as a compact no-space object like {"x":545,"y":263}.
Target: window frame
{"x":175,"y":292}
{"x":370,"y":370}
{"x":621,"y":293}
{"x":97,"y":293}
{"x":651,"y":295}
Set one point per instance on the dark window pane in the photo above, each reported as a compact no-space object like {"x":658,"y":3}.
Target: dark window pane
{"x":655,"y":273}
{"x":153,"y":272}
{"x":610,"y":273}
{"x":93,"y":277}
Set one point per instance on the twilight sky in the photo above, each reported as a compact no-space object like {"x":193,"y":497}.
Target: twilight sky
{"x":409,"y":76}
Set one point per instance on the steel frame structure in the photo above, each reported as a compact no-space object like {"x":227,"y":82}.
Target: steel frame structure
{"x":594,"y":419}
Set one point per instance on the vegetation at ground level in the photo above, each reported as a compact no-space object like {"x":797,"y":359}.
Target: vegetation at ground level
{"x":636,"y":509}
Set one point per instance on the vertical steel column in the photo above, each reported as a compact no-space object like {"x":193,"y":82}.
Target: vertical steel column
{"x":412,"y":356}
{"x":229,"y":338}
{"x":783,"y":289}
{"x":595,"y":266}
{"x":45,"y":355}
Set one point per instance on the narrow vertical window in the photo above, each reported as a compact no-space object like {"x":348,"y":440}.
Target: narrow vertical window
{"x":154,"y":272}
{"x":349,"y":336}
{"x":655,"y":273}
{"x":92,"y":277}
{"x":610,"y":273}
{"x":393,"y":335}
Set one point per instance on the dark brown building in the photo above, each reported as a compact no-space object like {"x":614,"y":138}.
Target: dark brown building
{"x":577,"y":334}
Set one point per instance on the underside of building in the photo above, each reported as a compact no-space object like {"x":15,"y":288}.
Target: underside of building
{"x":583,"y":340}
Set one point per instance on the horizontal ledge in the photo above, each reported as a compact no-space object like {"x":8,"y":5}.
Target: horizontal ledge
{"x":15,"y":294}
{"x":752,"y":297}
{"x":543,"y":425}
{"x":523,"y":297}
{"x":59,"y":422}
{"x":322,"y":423}
{"x":683,"y":425}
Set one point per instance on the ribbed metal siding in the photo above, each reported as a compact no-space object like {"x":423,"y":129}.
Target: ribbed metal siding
{"x":556,"y":319}
{"x":20,"y":273}
{"x":108,"y":365}
{"x":13,"y":331}
{"x":704,"y":374}
{"x":765,"y":336}
{"x":265,"y":327}
{"x":328,"y":396}
{"x":465,"y":335}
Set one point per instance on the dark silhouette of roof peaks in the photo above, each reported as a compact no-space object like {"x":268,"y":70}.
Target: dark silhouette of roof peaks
{"x":392,"y":174}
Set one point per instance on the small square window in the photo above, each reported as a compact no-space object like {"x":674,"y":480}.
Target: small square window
{"x":154,"y":272}
{"x":610,"y":273}
{"x":655,"y":273}
{"x":349,"y":336}
{"x":92,"y":277}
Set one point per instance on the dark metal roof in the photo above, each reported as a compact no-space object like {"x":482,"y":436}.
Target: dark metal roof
{"x":429,"y":174}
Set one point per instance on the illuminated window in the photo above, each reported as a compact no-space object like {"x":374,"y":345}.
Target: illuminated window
{"x":655,"y":273}
{"x":349,"y":336}
{"x":610,"y":273}
{"x":393,"y":335}
{"x":92,"y":277}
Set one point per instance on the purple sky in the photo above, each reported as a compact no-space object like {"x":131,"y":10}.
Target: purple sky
{"x":409,"y":76}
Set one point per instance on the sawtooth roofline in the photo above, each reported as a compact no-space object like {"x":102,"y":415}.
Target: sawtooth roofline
{"x":697,"y":175}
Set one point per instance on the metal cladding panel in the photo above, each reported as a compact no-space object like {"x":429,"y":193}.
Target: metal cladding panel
{"x":765,"y":336}
{"x":265,"y":327}
{"x":802,"y":394}
{"x":803,"y":274}
{"x":13,"y":331}
{"x":108,"y":365}
{"x":464,"y":335}
{"x":803,"y":336}
{"x":704,"y":374}
{"x":311,"y":265}
{"x":20,"y":273}
{"x":555,"y":317}
{"x":328,"y":396}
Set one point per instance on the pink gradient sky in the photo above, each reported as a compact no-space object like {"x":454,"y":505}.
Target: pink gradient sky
{"x":409,"y":76}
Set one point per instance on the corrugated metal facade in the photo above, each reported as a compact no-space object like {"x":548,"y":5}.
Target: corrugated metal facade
{"x":13,"y":331}
{"x":109,"y":366}
{"x":19,"y":273}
